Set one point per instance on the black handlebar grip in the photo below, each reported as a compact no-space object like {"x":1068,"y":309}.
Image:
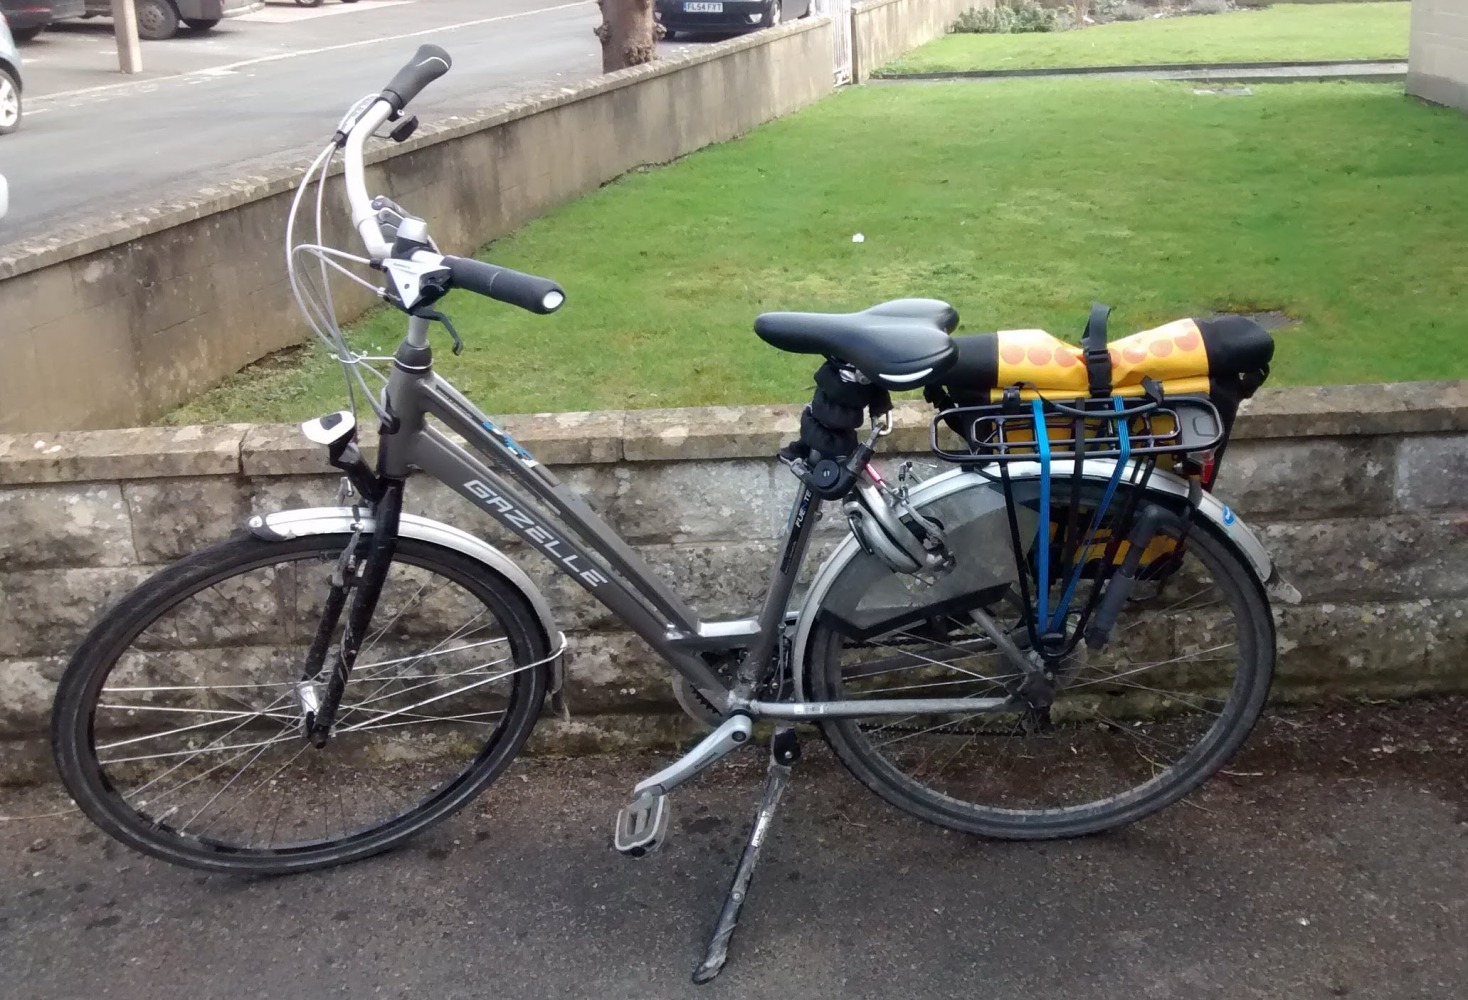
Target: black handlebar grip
{"x":430,"y":63}
{"x":516,"y":288}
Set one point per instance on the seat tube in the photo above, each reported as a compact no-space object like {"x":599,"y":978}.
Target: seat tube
{"x":803,"y":516}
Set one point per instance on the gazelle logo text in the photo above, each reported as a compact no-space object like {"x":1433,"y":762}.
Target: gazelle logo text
{"x":527,"y":526}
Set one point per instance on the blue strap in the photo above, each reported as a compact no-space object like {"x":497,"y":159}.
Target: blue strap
{"x":1124,"y":439}
{"x":1042,"y":442}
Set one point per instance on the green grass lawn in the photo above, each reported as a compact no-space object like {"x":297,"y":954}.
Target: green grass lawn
{"x":1306,"y":32}
{"x":1019,"y":201}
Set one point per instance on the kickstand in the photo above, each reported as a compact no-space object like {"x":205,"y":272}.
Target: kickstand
{"x":784,"y":751}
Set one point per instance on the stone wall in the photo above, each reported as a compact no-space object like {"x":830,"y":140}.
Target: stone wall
{"x":882,"y":30}
{"x":1437,"y":67}
{"x":165,"y":304}
{"x":1361,"y":492}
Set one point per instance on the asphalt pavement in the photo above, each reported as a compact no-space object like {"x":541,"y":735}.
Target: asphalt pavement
{"x":257,"y":91}
{"x":1330,"y":860}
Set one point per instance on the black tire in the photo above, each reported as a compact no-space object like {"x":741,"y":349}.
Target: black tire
{"x":24,"y":35}
{"x":201,"y":23}
{"x":1245,"y":700}
{"x":157,"y":20}
{"x":10,"y":104}
{"x":75,"y":735}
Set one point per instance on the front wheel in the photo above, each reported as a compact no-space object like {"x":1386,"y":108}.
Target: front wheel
{"x":1132,"y":728}
{"x":179,"y":726}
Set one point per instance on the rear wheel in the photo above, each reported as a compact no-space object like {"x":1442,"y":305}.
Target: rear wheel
{"x":10,"y":107}
{"x":27,"y":34}
{"x":179,"y":723}
{"x":1133,"y":727}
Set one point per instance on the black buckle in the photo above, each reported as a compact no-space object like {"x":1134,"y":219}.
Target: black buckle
{"x":1098,"y":358}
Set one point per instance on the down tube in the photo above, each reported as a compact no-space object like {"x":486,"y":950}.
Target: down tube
{"x":568,"y":509}
{"x":473,"y":480}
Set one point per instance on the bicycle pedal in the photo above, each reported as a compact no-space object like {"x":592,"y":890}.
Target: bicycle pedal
{"x":641,"y":825}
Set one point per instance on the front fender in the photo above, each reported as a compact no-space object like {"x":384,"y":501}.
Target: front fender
{"x":1229,"y":525}
{"x":288,"y":524}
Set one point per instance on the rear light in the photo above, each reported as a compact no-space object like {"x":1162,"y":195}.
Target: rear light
{"x":1207,"y":463}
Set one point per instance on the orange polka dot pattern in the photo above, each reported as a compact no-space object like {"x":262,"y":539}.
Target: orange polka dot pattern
{"x":1168,"y":353}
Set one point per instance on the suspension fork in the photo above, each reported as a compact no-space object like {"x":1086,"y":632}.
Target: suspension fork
{"x":366,"y":590}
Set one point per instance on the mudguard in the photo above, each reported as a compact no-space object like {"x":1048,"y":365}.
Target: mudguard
{"x":1232,"y":529}
{"x":287,"y":524}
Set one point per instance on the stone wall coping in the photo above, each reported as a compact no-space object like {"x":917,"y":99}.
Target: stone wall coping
{"x":1349,"y":410}
{"x":109,"y":231}
{"x":863,"y":6}
{"x":688,"y":434}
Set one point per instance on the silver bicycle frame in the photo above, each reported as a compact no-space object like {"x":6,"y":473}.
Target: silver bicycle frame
{"x":506,"y":481}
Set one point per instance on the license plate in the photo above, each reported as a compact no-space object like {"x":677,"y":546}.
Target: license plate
{"x":697,"y":7}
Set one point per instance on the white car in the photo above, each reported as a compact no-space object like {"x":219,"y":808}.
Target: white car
{"x":4,"y":196}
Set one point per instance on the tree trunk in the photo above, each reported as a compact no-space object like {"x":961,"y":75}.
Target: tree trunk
{"x":628,"y":34}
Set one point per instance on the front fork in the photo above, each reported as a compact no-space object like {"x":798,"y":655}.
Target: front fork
{"x":365,"y":583}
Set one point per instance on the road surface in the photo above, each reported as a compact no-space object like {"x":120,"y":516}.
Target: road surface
{"x":1331,"y":861}
{"x":258,"y":90}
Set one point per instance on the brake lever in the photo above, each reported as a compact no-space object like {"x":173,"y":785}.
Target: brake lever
{"x":405,"y":129}
{"x":438,"y":317}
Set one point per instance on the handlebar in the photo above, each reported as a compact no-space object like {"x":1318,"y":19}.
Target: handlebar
{"x":537,"y":295}
{"x":516,"y":288}
{"x":430,"y":63}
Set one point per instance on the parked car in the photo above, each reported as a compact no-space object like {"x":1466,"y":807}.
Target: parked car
{"x":160,"y":19}
{"x":28,"y":18}
{"x":725,"y":17}
{"x":10,"y":110}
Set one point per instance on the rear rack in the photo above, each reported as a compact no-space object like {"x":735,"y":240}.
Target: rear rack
{"x":1108,"y":428}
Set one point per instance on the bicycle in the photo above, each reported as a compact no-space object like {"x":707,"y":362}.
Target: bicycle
{"x":331,"y":681}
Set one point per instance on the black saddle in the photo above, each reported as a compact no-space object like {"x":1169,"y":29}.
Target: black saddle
{"x":903,"y":344}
